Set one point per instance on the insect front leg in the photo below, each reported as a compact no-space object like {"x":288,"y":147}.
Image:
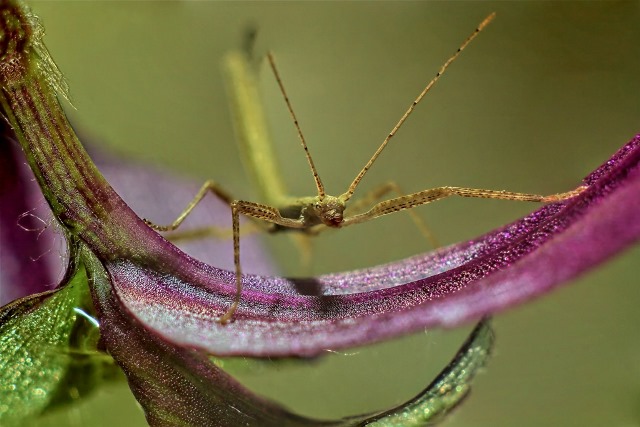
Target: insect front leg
{"x":360,"y":205}
{"x":431,"y":195}
{"x":258,"y":211}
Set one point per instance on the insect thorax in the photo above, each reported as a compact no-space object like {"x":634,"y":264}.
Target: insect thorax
{"x":313,"y":211}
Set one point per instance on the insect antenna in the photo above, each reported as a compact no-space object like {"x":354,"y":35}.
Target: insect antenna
{"x":346,"y":196}
{"x":316,"y":177}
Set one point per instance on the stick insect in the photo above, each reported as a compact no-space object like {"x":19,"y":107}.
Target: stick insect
{"x":314,"y":214}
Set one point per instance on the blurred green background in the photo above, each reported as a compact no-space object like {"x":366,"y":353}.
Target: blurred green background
{"x":547,"y":93}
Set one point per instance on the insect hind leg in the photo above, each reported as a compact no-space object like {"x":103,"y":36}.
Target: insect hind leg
{"x":208,"y":186}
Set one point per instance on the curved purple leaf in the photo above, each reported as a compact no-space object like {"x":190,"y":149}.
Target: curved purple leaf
{"x":278,"y":316}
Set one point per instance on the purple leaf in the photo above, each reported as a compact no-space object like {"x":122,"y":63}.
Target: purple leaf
{"x":464,"y":282}
{"x":31,"y":250}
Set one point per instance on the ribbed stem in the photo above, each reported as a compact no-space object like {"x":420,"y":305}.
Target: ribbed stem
{"x":81,"y":199}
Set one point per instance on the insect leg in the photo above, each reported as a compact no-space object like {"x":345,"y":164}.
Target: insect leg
{"x":255,"y":211}
{"x":376,"y":194}
{"x":235,"y":215}
{"x":209,"y":186}
{"x":212,"y":232}
{"x":260,"y":212}
{"x":431,"y":195}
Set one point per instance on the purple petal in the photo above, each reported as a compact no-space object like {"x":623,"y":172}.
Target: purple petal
{"x":277,"y":316}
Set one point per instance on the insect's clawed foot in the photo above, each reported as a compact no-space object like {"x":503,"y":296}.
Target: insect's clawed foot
{"x":228,"y":316}
{"x":158,"y":227}
{"x":564,"y":196}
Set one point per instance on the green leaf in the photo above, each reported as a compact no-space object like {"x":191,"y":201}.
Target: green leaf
{"x":42,"y":340}
{"x":448,"y":389}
